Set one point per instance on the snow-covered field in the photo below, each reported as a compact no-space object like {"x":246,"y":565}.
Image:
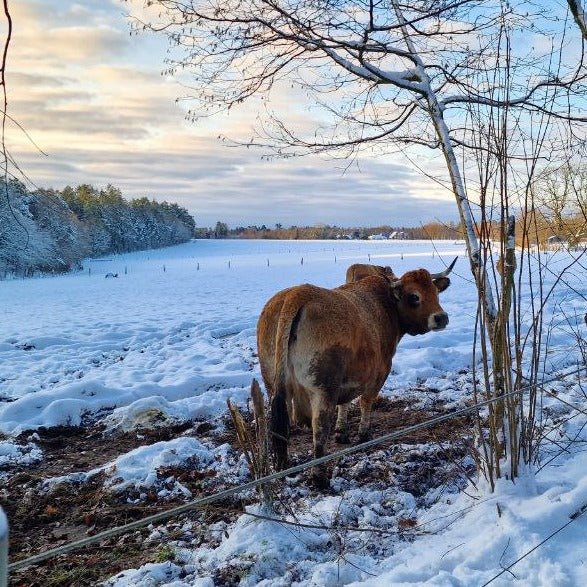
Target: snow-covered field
{"x":174,"y":336}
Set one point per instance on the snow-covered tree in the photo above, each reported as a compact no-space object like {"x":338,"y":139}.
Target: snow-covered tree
{"x":22,"y":246}
{"x":49,"y":231}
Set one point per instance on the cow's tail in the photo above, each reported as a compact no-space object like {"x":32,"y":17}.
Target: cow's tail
{"x":280,"y":424}
{"x":279,"y":427}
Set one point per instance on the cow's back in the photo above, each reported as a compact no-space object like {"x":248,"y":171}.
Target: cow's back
{"x":359,"y":271}
{"x":332,"y":336}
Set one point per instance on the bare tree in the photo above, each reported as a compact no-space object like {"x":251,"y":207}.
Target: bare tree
{"x":561,"y":191}
{"x":388,"y":73}
{"x":392,"y":75}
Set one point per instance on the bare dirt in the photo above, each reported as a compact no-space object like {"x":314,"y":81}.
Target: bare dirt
{"x":40,"y":519}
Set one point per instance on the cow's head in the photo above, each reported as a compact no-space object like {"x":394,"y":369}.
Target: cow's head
{"x":416,"y":293}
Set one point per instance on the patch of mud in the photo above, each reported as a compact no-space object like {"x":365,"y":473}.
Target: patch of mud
{"x":41,"y":519}
{"x":446,"y":442}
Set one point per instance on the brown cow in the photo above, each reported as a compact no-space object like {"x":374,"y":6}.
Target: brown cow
{"x":360,"y":271}
{"x":322,"y":348}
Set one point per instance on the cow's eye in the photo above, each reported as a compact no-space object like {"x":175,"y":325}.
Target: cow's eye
{"x":414,"y":299}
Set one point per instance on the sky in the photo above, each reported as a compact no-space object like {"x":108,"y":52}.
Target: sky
{"x":98,"y":110}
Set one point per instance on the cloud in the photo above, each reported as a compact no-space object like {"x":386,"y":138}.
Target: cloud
{"x":94,"y":100}
{"x":59,"y":35}
{"x":241,"y":189}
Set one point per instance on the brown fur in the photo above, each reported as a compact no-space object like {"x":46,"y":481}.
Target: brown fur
{"x":360,"y":271}
{"x":321,"y":348}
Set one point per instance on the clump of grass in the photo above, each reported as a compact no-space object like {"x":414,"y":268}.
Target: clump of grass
{"x":165,"y":554}
{"x":254,"y":441}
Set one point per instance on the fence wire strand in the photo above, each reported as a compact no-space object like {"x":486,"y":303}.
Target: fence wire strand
{"x":574,"y":516}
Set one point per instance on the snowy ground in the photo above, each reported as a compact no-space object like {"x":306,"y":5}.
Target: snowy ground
{"x":173,"y":337}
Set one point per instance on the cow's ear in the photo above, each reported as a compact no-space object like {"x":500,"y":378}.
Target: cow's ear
{"x":396,"y":290}
{"x":389,"y":274}
{"x":441,"y":283}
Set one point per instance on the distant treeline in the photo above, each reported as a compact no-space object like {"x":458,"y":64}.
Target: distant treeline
{"x":52,"y":231}
{"x":431,"y":230}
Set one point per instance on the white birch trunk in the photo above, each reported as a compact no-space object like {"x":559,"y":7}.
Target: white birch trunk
{"x":463,"y":204}
{"x":578,"y":11}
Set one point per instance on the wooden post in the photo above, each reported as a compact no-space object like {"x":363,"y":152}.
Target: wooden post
{"x":3,"y":549}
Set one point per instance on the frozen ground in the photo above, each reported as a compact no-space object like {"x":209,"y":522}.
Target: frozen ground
{"x":173,"y":337}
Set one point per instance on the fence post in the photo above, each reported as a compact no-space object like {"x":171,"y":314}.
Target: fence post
{"x":3,"y":549}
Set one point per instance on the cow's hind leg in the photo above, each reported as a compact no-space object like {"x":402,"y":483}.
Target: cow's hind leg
{"x":341,"y":433}
{"x":322,"y":419}
{"x":366,"y":404}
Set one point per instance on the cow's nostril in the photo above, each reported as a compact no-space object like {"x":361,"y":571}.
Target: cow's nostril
{"x":441,"y":319}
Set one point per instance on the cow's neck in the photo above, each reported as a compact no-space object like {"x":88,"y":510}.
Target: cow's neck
{"x":394,"y":330}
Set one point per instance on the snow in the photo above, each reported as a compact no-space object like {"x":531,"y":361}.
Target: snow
{"x":76,"y":344}
{"x":137,"y":469}
{"x":12,"y":452}
{"x":174,"y":336}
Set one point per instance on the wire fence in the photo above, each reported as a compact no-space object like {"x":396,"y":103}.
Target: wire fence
{"x":228,"y":493}
{"x":572,"y":518}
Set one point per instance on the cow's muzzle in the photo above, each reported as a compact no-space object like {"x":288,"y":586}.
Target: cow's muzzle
{"x":438,"y":321}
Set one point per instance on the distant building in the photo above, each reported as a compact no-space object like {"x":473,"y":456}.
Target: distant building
{"x":377,"y":237}
{"x":556,"y":243}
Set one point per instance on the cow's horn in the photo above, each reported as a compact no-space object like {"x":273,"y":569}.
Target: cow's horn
{"x":445,"y":272}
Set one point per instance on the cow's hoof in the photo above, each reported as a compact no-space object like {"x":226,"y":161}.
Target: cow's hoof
{"x":342,"y":437}
{"x":320,"y":481}
{"x":365,"y":436}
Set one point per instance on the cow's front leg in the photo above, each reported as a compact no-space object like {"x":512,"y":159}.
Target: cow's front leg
{"x":322,"y":419}
{"x":366,"y":404}
{"x":341,"y":433}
